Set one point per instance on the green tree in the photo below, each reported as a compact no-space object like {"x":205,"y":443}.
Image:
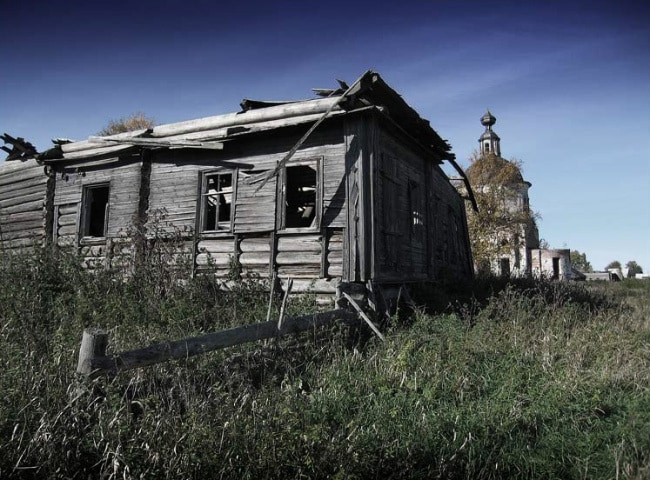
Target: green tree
{"x":503,"y":223}
{"x":633,"y":268}
{"x":580,"y":262}
{"x":135,"y":121}
{"x":614,"y":264}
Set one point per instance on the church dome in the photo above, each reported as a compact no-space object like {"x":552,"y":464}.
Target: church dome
{"x":487,"y":120}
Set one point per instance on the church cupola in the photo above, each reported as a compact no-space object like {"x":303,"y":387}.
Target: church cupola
{"x":489,"y":141}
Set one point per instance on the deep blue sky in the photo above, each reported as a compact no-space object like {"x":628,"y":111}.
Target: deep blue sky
{"x":569,"y":83}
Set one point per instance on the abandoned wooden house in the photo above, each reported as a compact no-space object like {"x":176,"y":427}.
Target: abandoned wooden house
{"x":343,"y":188}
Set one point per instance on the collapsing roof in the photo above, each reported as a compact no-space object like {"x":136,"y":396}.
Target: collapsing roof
{"x":369,"y":91}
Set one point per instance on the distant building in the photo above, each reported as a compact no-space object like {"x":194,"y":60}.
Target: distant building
{"x":521,"y":255}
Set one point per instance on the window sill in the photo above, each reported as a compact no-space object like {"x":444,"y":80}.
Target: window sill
{"x":289,"y":231}
{"x":92,"y":240}
{"x":216,"y":234}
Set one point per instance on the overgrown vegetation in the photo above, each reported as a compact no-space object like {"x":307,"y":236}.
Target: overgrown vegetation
{"x":502,"y":225}
{"x":499,"y":379}
{"x":135,"y":121}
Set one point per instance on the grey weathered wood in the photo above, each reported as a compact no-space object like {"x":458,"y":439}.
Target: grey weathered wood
{"x":285,"y":300}
{"x":158,"y":142}
{"x":363,"y":315}
{"x":271,"y":296}
{"x":197,"y":345}
{"x":267,"y":176}
{"x":93,"y":346}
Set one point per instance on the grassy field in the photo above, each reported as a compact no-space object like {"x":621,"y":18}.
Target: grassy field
{"x":495,"y":379}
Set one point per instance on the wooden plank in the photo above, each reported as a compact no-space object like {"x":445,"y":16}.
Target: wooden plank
{"x":298,"y":258}
{"x":295,"y":271}
{"x":19,"y":243}
{"x":252,"y":116}
{"x":307,"y":243}
{"x":32,"y":206}
{"x":68,"y":209}
{"x":15,"y":189}
{"x":23,"y":216}
{"x":31,"y":224}
{"x":71,"y":230}
{"x":334,"y":270}
{"x":216,"y":246}
{"x":8,"y":178}
{"x":219,"y":259}
{"x":247,"y":246}
{"x":363,"y":315}
{"x":254,"y":258}
{"x":27,"y":195}
{"x":96,"y":361}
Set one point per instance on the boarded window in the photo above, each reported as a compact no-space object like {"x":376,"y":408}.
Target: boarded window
{"x":216,"y":202}
{"x":301,"y":196}
{"x":95,"y":211}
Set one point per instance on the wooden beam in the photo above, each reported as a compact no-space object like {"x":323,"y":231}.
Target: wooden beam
{"x":96,"y":362}
{"x":158,"y":143}
{"x":360,"y":311}
{"x":266,"y":177}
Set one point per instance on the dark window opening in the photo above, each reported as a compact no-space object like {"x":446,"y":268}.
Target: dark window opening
{"x":95,"y":210}
{"x":487,"y":147}
{"x":217,"y":202}
{"x":300,"y":196}
{"x":505,"y":267}
{"x":556,"y":268}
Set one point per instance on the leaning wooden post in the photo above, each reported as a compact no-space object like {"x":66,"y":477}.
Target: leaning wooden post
{"x":93,"y":346}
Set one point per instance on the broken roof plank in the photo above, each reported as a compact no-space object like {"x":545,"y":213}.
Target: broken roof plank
{"x":159,"y":142}
{"x":252,"y":116}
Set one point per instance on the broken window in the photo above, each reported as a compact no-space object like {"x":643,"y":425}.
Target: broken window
{"x":216,"y":202}
{"x":95,"y":211}
{"x":301,"y":196}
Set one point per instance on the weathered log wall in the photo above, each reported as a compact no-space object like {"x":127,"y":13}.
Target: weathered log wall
{"x":123,"y":181}
{"x":419,"y":218}
{"x":23,"y":198}
{"x":254,"y":243}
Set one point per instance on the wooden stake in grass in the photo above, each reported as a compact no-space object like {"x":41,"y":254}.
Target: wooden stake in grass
{"x":284,"y":302}
{"x":93,"y":346}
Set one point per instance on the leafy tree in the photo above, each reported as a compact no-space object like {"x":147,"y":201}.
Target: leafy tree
{"x":135,"y":121}
{"x":502,"y":224}
{"x":614,"y":264}
{"x":633,"y":268}
{"x":580,"y":262}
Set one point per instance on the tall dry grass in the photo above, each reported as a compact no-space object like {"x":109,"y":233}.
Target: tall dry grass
{"x":496,"y":379}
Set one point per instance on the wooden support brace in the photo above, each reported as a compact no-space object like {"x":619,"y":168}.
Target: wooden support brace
{"x":360,"y":311}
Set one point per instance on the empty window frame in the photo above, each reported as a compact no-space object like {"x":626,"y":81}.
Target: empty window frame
{"x":301,"y":195}
{"x":95,"y":210}
{"x":217,"y":195}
